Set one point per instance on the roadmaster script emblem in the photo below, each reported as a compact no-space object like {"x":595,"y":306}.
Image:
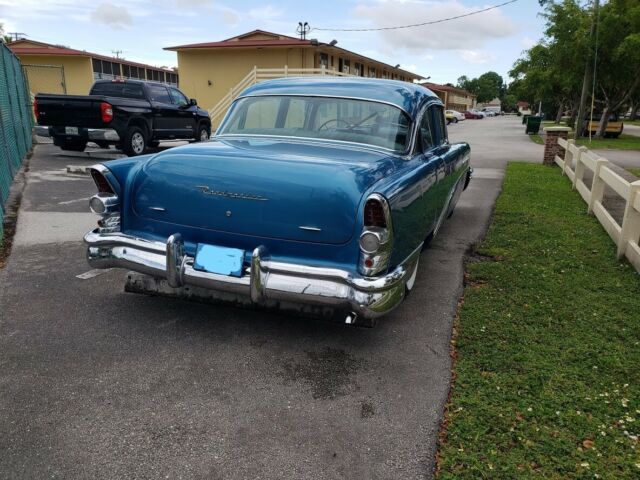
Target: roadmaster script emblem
{"x":241,"y":196}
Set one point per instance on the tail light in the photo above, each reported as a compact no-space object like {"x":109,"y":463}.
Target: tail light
{"x":376,"y":240}
{"x":101,"y":182}
{"x":35,"y":109}
{"x":106,"y":111}
{"x":374,"y":214}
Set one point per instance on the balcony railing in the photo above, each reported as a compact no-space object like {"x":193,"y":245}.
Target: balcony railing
{"x":259,"y":74}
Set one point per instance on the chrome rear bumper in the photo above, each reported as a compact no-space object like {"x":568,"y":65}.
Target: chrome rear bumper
{"x":266,"y":282}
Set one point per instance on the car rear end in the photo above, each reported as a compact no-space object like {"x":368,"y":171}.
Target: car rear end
{"x":345,"y":278}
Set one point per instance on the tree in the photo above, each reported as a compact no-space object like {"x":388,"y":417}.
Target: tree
{"x":3,"y":36}
{"x":486,"y":87}
{"x":553,"y":70}
{"x":618,"y":63}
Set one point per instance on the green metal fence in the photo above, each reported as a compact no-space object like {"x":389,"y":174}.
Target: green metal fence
{"x":16,"y":122}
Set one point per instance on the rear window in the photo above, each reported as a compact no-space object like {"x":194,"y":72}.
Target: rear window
{"x":118,"y":89}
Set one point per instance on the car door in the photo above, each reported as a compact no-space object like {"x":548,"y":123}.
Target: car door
{"x":165,"y":113}
{"x":186,"y":114}
{"x":432,"y":187}
{"x":447,"y":173}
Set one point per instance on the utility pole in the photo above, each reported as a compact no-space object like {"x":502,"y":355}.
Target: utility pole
{"x":588,"y":74}
{"x":116,"y":53}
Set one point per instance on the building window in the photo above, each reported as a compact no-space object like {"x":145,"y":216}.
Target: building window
{"x":106,"y":67}
{"x":324,"y":60}
{"x":372,"y":72}
{"x":97,"y":65}
{"x":359,"y":69}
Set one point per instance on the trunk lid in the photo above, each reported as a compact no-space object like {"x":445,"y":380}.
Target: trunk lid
{"x":261,"y":188}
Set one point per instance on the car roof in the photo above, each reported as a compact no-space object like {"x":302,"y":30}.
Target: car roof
{"x":407,"y":96}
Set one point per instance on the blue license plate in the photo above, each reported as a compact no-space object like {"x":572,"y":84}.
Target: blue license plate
{"x":220,"y":260}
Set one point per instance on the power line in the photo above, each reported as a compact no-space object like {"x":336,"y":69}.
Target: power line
{"x":414,"y":24}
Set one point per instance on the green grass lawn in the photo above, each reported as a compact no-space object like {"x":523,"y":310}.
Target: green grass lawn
{"x":547,"y":377}
{"x":624,"y":142}
{"x":535,"y":138}
{"x":635,"y":171}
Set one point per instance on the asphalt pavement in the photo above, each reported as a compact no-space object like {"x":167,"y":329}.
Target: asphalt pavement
{"x":98,"y":383}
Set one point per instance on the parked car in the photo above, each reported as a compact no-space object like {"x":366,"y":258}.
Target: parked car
{"x":449,"y":117}
{"x":495,"y":111}
{"x":454,"y":115}
{"x":314,"y":192}
{"x":488,"y":113}
{"x":473,"y":114}
{"x":129,"y":113}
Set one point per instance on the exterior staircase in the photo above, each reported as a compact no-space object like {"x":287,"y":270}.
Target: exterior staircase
{"x":259,"y":74}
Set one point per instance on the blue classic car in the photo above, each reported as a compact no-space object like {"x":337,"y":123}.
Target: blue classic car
{"x":316,"y":194}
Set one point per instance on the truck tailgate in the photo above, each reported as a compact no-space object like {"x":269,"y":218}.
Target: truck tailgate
{"x":70,"y":110}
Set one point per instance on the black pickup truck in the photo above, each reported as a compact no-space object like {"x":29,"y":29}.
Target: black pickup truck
{"x":132,"y":114}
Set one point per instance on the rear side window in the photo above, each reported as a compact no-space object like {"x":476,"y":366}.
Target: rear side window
{"x":158,"y":93}
{"x":118,"y":89}
{"x":439,"y":129}
{"x":426,"y":133}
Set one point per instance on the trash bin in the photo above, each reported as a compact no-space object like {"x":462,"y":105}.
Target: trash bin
{"x":533,"y":124}
{"x":524,"y":118}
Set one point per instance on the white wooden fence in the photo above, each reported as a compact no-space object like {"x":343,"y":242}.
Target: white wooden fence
{"x":576,"y":161}
{"x":259,"y":74}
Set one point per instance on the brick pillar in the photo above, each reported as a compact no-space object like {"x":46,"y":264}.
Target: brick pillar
{"x":551,"y":147}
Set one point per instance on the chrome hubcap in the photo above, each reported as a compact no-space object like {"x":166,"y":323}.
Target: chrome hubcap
{"x":137,"y":142}
{"x":204,"y":135}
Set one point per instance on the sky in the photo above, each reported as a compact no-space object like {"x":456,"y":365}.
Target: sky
{"x":469,"y":46}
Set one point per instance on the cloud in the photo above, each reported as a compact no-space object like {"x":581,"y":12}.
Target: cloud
{"x":476,"y":56}
{"x":116,"y":16}
{"x":229,"y":16}
{"x":193,"y":3}
{"x":463,"y":33}
{"x":268,"y":12}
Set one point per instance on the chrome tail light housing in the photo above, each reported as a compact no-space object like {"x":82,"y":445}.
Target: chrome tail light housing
{"x":105,"y":203}
{"x":376,"y":239}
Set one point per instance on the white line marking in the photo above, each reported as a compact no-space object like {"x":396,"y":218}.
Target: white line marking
{"x":74,"y":201}
{"x":93,"y":273}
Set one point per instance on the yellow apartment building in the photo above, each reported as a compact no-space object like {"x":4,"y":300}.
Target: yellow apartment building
{"x":59,"y":69}
{"x":452,"y":97}
{"x":215,"y":72}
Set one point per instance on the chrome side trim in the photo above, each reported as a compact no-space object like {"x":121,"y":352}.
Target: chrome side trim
{"x":310,"y":229}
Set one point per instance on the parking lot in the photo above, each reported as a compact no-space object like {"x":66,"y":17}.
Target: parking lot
{"x":100,"y":383}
